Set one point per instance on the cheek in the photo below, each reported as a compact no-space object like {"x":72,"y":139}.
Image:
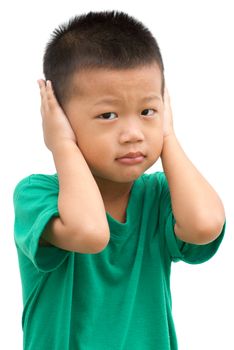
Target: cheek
{"x":95,"y":148}
{"x":155,"y":144}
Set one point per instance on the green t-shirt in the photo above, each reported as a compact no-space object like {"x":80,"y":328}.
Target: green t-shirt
{"x":118,"y":299}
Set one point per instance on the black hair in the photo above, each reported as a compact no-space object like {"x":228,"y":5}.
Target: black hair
{"x":106,"y":39}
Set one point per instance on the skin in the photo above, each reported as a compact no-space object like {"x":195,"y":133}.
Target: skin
{"x":79,"y":133}
{"x":123,"y":130}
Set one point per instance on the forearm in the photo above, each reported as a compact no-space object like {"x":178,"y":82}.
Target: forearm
{"x":195,"y":204}
{"x":80,"y":204}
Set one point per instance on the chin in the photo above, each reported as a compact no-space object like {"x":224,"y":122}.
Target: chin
{"x":128,"y":176}
{"x":122,"y":177}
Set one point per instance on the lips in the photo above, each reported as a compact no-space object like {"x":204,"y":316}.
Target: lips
{"x":132,"y":155}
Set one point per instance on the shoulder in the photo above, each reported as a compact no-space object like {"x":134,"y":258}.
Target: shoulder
{"x":157,"y":178}
{"x":157,"y":188}
{"x":37,"y":182}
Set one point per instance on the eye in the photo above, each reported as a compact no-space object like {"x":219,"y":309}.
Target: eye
{"x":149,"y":109}
{"x":106,"y":116}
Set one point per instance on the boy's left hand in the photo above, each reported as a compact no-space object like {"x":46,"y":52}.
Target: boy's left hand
{"x":167,"y":115}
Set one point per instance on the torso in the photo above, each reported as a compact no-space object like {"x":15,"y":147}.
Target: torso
{"x":118,"y":211}
{"x":119,"y":216}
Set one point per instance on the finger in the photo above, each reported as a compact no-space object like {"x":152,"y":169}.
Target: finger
{"x":41,"y":84}
{"x":50,"y":95}
{"x":44,"y":102}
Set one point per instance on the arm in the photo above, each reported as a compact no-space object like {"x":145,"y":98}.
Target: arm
{"x":82,"y":224}
{"x":197,"y":208}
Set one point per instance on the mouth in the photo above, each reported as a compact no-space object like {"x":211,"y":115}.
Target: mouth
{"x":131,"y":158}
{"x":132,"y":155}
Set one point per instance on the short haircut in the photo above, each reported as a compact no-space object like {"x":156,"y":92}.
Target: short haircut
{"x":106,"y":39}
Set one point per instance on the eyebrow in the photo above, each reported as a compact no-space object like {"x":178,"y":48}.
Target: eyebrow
{"x":116,"y":100}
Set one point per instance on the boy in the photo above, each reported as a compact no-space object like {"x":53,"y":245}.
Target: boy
{"x":96,"y":240}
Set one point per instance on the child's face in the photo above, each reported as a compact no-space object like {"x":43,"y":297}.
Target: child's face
{"x":129,"y":124}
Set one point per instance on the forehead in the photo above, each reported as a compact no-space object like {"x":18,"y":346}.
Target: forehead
{"x":98,"y":82}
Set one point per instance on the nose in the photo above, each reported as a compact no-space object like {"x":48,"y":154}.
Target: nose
{"x":131,"y":132}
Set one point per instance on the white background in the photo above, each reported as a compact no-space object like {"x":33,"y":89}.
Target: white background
{"x":196,"y":41}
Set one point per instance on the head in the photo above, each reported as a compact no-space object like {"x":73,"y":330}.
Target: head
{"x":107,"y":73}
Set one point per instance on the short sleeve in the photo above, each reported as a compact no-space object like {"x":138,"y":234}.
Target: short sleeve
{"x":177,"y":249}
{"x":35,"y":203}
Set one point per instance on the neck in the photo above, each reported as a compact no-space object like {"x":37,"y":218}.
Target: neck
{"x":113,"y":192}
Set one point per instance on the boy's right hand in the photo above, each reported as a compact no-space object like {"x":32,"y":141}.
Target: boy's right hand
{"x":56,"y":126}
